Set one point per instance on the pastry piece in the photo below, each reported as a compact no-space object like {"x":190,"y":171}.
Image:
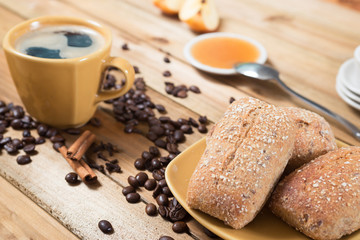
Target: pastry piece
{"x":322,"y":198}
{"x":246,"y":152}
{"x":313,"y":139}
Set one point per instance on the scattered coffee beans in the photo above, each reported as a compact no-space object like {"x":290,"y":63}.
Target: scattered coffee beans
{"x":125,"y":47}
{"x":162,"y":199}
{"x":150,"y":184}
{"x":105,"y":226}
{"x":127,"y":190}
{"x":150,"y":209}
{"x":133,"y":197}
{"x":166,"y":238}
{"x":167,"y":74}
{"x":23,"y":159}
{"x":133,"y":182}
{"x":71,"y":178}
{"x":179,"y":227}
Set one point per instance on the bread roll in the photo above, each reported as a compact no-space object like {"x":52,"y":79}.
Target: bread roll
{"x":313,"y":139}
{"x":246,"y":152}
{"x":322,"y":198}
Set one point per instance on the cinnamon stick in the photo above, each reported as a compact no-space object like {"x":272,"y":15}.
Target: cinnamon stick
{"x":80,"y":167}
{"x":80,"y":146}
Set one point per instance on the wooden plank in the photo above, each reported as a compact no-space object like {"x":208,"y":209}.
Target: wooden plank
{"x":32,"y":222}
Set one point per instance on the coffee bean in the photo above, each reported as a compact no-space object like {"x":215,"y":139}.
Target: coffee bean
{"x":231,"y":100}
{"x":16,"y":124}
{"x":202,"y":128}
{"x":179,"y":227}
{"x":193,"y":122}
{"x":158,"y":175}
{"x":166,"y":59}
{"x":5,"y":140}
{"x":156,"y":191}
{"x":39,"y":140}
{"x":136,"y":69}
{"x":17,"y":143}
{"x":169,"y":89}
{"x":186,"y":129}
{"x":57,"y":145}
{"x":29,"y":148}
{"x":158,"y":130}
{"x":150,"y":209}
{"x":26,"y":133}
{"x":18,"y":112}
{"x":71,"y":178}
{"x":57,"y":138}
{"x":133,"y":197}
{"x":160,"y":108}
{"x":51,"y":132}
{"x":96,"y":122}
{"x":146,"y":155}
{"x":203,"y":119}
{"x":166,"y":191}
{"x":160,"y":143}
{"x":164,"y":161}
{"x":162,"y":199}
{"x":10,"y":148}
{"x":127,"y":190}
{"x":179,"y":136}
{"x":28,"y":140}
{"x":42,"y":130}
{"x":141,"y":177}
{"x":166,"y":238}
{"x":181,"y":94}
{"x":151,"y":136}
{"x":133,"y":182}
{"x":140,"y":164}
{"x":125,"y":47}
{"x":162,"y":183}
{"x":154,"y":151}
{"x":73,"y":131}
{"x":172,"y":148}
{"x":105,"y":226}
{"x":194,"y":89}
{"x":163,"y":211}
{"x":155,"y":163}
{"x":23,"y":159}
{"x":167,"y":74}
{"x":171,"y":156}
{"x":150,"y":184}
{"x":2,"y":128}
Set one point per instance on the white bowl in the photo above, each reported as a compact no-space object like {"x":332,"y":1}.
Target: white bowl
{"x":349,"y":73}
{"x":223,"y":71}
{"x":340,"y":88}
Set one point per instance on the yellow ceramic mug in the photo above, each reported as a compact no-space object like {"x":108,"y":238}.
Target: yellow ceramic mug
{"x":63,"y":92}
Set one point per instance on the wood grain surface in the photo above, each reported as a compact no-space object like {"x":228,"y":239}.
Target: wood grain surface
{"x":307,"y":41}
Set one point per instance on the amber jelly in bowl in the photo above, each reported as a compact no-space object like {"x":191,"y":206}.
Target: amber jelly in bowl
{"x":218,"y":52}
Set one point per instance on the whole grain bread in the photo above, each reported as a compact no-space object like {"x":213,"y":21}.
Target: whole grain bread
{"x":313,"y":139}
{"x":246,"y":152}
{"x":322,"y":198}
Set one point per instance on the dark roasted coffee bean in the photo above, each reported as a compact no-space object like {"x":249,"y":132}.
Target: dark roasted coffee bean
{"x":179,"y":227}
{"x":202,"y":128}
{"x":163,"y":211}
{"x":28,"y":140}
{"x":133,"y":182}
{"x":146,"y":155}
{"x":158,"y":130}
{"x":105,"y":226}
{"x":150,"y":209}
{"x":17,"y":143}
{"x":166,"y":59}
{"x":129,"y":128}
{"x":153,"y":121}
{"x":141,"y":177}
{"x":166,"y":238}
{"x":181,"y":94}
{"x":162,"y":183}
{"x":133,"y":197}
{"x":150,"y":184}
{"x":96,"y":122}
{"x":156,"y":191}
{"x":17,"y":112}
{"x":40,"y":140}
{"x":169,"y":89}
{"x":26,"y":119}
{"x":166,"y":191}
{"x":42,"y":129}
{"x":179,"y":136}
{"x":203,"y":119}
{"x":57,"y":138}
{"x":160,"y":108}
{"x":4,"y":110}
{"x":167,"y":74}
{"x":57,"y":145}
{"x":194,"y":89}
{"x":5,"y":140}
{"x":73,"y":131}
{"x":51,"y":132}
{"x":2,"y":129}
{"x":155,"y":163}
{"x":154,"y":151}
{"x":164,"y":119}
{"x":10,"y":148}
{"x":193,"y":122}
{"x":172,"y":148}
{"x":16,"y":124}
{"x":140,"y":164}
{"x":164,"y":161}
{"x":136,"y":69}
{"x":71,"y":178}
{"x":231,"y":100}
{"x":127,"y":190}
{"x":125,"y":47}
{"x":186,"y":129}
{"x":160,"y":143}
{"x":23,"y":159}
{"x":151,"y":136}
{"x":162,"y":199}
{"x":29,"y":148}
{"x":26,"y":133}
{"x":158,"y":174}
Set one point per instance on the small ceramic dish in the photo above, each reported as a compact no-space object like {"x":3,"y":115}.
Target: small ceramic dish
{"x":265,"y":226}
{"x":262,"y":56}
{"x":349,"y":73}
{"x":349,"y":94}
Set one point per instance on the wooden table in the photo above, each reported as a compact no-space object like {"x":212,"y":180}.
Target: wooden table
{"x":307,"y":41}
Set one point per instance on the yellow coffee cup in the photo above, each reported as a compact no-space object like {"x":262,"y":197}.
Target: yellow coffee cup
{"x":63,"y":92}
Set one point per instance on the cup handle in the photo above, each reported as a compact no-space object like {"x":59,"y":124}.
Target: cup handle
{"x":129,"y":73}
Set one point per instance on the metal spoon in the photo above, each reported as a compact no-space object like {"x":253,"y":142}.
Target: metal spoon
{"x":264,"y":72}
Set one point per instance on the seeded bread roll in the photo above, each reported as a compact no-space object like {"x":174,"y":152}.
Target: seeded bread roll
{"x":246,"y":152}
{"x":322,"y":198}
{"x":313,"y":139}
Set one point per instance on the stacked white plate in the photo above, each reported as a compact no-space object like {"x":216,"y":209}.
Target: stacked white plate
{"x":348,"y":81}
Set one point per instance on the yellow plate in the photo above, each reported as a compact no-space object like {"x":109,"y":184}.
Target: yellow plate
{"x":264,"y":226}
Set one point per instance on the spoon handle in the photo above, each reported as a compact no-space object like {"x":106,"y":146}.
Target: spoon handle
{"x":348,"y":125}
